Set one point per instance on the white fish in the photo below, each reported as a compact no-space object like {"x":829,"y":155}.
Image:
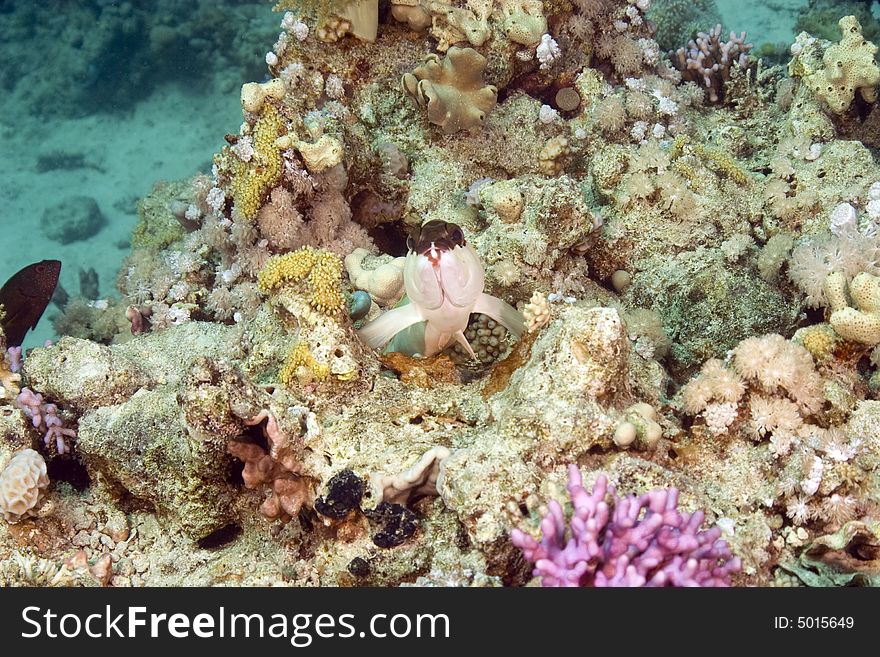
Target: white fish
{"x":444,"y":282}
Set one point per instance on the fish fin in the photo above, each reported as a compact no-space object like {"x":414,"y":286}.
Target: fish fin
{"x":459,"y":336}
{"x":501,"y":312}
{"x":380,"y":331}
{"x":410,"y":341}
{"x":434,"y":340}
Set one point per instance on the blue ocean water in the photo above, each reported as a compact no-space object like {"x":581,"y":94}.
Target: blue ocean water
{"x":99,"y":101}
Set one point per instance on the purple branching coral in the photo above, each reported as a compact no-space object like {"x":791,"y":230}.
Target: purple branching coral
{"x":14,"y":356}
{"x":44,"y":417}
{"x":707,"y":60}
{"x":618,"y":545}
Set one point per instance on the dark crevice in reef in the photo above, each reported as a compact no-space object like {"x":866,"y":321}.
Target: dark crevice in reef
{"x":220,"y":537}
{"x":814,"y":316}
{"x":69,"y":470}
{"x":235,"y":473}
{"x":390,"y":238}
{"x":128,"y":503}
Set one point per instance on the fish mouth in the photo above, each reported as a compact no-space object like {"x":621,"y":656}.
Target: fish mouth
{"x":434,"y":251}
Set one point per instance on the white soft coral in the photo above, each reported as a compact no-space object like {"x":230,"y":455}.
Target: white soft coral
{"x":850,"y":253}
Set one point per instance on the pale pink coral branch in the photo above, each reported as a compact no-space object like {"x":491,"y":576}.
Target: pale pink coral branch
{"x":44,"y":417}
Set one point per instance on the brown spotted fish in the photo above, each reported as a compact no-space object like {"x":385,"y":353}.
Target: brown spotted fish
{"x":25,"y":297}
{"x":443,"y":277}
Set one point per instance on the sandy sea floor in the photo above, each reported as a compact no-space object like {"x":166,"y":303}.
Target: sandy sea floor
{"x":762,"y":20}
{"x":169,"y":136}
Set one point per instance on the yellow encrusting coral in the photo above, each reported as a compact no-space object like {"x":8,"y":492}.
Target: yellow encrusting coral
{"x":848,"y":67}
{"x":820,"y":340}
{"x":718,"y":161}
{"x":722,"y":163}
{"x":322,"y":268}
{"x":301,"y":367}
{"x":252,"y":180}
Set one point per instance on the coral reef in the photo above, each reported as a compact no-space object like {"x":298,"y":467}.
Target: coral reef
{"x":688,"y":244}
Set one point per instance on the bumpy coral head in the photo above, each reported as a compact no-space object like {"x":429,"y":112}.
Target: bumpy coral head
{"x":441,"y":265}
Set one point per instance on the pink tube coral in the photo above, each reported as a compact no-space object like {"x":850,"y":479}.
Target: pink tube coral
{"x":618,"y":545}
{"x":44,"y":417}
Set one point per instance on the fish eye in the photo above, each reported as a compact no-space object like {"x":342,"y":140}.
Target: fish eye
{"x":41,"y":269}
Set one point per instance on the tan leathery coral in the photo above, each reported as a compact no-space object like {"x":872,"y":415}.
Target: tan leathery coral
{"x":324,"y":154}
{"x":411,"y":12}
{"x":638,"y":423}
{"x":254,"y":94}
{"x":452,"y":89}
{"x":420,"y":479}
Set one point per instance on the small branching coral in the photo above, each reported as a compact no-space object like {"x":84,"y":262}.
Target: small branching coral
{"x":283,"y":467}
{"x":10,"y":379}
{"x":630,"y":541}
{"x":707,"y":60}
{"x":44,"y":417}
{"x":320,"y":270}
